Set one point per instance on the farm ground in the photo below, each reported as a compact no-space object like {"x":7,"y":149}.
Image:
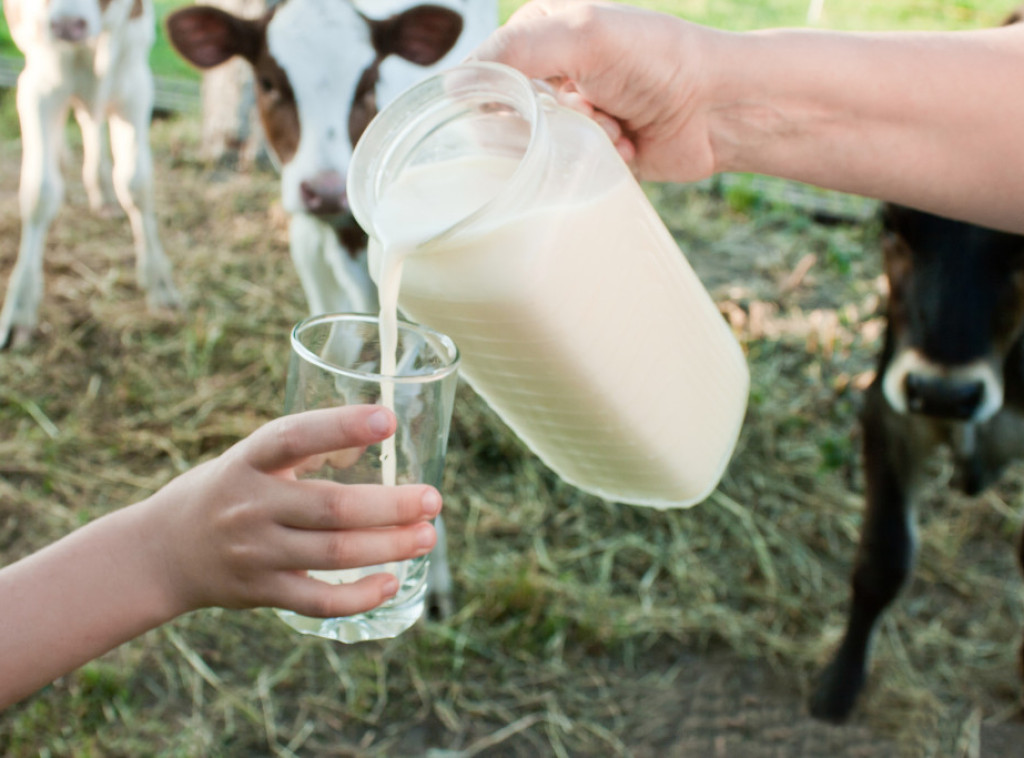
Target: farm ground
{"x":584,"y":628}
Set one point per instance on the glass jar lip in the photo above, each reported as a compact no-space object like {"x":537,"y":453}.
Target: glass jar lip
{"x":442,"y":344}
{"x":379,"y":144}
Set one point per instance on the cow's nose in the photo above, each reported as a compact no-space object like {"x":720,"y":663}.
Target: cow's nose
{"x":324,"y":194}
{"x":944,"y":397}
{"x":69,"y":28}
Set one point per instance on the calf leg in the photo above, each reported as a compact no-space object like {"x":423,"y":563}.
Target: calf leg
{"x":96,"y":167}
{"x":332,"y":280}
{"x":1020,"y":562}
{"x":133,"y":183}
{"x":311,"y":243}
{"x":884,"y":561}
{"x":440,"y":588}
{"x":40,"y":195}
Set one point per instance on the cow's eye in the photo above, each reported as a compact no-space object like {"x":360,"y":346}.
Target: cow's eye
{"x":265,"y":84}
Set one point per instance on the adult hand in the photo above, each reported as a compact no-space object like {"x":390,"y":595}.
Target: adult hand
{"x":636,"y":72}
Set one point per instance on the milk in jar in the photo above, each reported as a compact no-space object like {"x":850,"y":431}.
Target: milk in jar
{"x":577,"y":316}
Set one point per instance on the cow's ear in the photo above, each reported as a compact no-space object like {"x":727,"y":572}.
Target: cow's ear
{"x":207,"y":36}
{"x":421,"y":35}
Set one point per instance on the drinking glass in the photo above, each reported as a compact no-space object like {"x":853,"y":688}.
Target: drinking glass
{"x":336,"y":360}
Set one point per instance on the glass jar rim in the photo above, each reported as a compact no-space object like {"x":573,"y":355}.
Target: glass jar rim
{"x":384,"y":139}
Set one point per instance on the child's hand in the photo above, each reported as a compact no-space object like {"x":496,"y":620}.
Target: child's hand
{"x":241,"y":530}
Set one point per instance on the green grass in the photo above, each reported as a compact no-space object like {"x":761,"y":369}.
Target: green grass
{"x":741,"y":15}
{"x":9,"y":129}
{"x":164,"y":59}
{"x":726,"y":14}
{"x":6,"y":43}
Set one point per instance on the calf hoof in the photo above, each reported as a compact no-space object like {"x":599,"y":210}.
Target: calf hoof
{"x":440,"y":606}
{"x":836,"y":694}
{"x":1020,"y":669}
{"x":15,"y":336}
{"x":108,"y":210}
{"x":163,"y":297}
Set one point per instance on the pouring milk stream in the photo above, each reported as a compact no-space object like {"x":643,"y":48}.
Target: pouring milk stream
{"x":511,"y":224}
{"x":406,"y":218}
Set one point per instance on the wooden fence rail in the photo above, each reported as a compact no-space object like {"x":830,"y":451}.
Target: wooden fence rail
{"x":172,"y":95}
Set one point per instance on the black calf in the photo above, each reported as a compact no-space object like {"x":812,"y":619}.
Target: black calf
{"x":951,"y":373}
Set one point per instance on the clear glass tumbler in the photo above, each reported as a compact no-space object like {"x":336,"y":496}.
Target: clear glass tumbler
{"x":335,"y":360}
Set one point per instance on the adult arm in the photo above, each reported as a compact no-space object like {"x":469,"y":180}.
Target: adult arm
{"x":927,"y":119}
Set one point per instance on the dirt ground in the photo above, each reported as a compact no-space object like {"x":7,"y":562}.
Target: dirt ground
{"x":719,"y":706}
{"x":724,"y":708}
{"x":671,"y":703}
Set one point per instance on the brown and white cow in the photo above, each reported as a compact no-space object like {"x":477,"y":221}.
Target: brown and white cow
{"x":92,"y":57}
{"x":951,"y":373}
{"x":323,"y":68}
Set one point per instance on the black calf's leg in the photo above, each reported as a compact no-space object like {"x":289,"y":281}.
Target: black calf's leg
{"x":884,"y":561}
{"x":1020,"y":563}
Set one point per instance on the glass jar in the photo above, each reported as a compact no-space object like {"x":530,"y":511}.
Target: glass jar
{"x":516,"y":228}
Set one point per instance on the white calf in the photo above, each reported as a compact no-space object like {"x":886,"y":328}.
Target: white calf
{"x":90,"y":56}
{"x":322,"y":69}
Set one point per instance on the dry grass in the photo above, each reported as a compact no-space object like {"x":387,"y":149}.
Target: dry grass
{"x":581,"y":623}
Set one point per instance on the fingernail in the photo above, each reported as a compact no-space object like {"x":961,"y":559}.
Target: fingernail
{"x":379,"y":422}
{"x":424,"y":535}
{"x":390,"y":587}
{"x":431,"y":503}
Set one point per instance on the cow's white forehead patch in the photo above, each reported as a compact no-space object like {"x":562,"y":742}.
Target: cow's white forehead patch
{"x":323,"y":48}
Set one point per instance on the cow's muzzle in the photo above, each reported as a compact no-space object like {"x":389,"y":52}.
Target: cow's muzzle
{"x":69,"y":28}
{"x":970,"y":392}
{"x":324,"y":194}
{"x":944,"y":397}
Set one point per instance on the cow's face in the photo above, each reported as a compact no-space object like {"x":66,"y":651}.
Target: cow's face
{"x":316,"y":66}
{"x":71,"y":21}
{"x":956,"y":308}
